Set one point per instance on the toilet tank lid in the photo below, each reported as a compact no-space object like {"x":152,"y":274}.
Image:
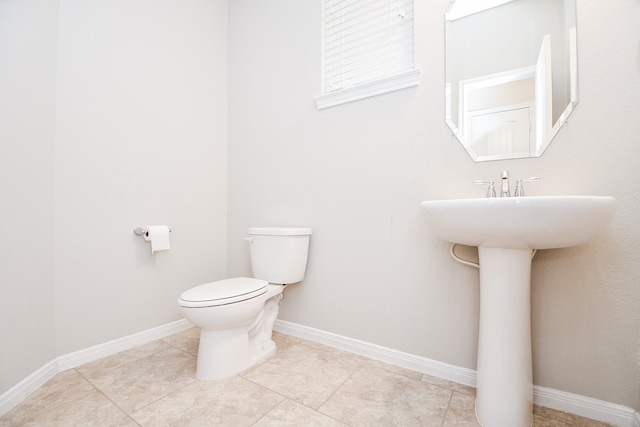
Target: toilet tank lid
{"x":280,"y":231}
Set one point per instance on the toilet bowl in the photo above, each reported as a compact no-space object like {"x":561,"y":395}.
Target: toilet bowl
{"x":236,"y":315}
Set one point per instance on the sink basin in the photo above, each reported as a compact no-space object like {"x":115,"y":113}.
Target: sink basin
{"x":519,"y":222}
{"x":506,"y":232}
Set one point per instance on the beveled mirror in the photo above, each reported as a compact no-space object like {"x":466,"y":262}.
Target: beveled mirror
{"x":511,"y":74}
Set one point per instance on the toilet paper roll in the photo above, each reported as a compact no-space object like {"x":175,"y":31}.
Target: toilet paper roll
{"x":158,"y":235}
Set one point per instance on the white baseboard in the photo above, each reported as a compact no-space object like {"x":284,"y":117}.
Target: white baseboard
{"x":384,"y":354}
{"x":583,"y":406}
{"x":24,"y":388}
{"x":575,"y":404}
{"x":99,"y":351}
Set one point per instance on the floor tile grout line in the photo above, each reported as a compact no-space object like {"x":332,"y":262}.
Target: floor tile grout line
{"x":335,"y":391}
{"x":317,"y":411}
{"x":284,"y":398}
{"x":444,"y":416}
{"x":105,"y":396}
{"x":360,"y":365}
{"x":127,"y":413}
{"x":160,"y":398}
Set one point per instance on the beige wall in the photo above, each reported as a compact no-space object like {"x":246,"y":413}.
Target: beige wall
{"x":112,"y":115}
{"x":356,"y":174}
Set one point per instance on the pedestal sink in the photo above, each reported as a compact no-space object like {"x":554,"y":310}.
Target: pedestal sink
{"x":506,"y":231}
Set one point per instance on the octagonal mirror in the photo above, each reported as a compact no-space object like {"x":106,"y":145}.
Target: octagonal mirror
{"x":511,"y":74}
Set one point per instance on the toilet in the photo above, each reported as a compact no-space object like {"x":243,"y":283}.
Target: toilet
{"x":236,"y":316}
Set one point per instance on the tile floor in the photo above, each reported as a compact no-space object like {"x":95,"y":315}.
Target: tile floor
{"x":304,"y":384}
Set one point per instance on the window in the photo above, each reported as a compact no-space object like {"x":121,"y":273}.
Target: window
{"x":368,"y":49}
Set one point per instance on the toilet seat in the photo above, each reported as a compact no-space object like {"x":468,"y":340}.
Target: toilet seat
{"x":223,"y":292}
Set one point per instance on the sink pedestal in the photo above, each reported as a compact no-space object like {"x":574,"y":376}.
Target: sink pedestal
{"x":506,"y":230}
{"x":504,"y":393}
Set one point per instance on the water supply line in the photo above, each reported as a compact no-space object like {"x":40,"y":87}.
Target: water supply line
{"x":452,"y":251}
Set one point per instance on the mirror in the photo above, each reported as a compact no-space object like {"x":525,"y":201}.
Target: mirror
{"x":511,"y":74}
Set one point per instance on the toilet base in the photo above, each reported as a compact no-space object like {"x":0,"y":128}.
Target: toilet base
{"x":225,"y":353}
{"x":222,"y":354}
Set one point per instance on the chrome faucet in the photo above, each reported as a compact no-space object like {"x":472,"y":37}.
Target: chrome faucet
{"x":504,"y":186}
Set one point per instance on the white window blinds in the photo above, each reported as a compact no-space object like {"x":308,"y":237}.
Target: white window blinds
{"x":366,"y":41}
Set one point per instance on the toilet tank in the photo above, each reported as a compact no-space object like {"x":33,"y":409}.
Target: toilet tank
{"x":279,"y":254}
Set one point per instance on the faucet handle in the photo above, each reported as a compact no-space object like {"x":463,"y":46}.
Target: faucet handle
{"x":491,"y":190}
{"x":519,"y":191}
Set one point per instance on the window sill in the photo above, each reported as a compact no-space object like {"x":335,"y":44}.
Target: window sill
{"x":386,"y":85}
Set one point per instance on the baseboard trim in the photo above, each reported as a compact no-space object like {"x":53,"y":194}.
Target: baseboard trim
{"x":555,"y":399}
{"x":24,"y":388}
{"x":99,"y":351}
{"x":384,"y":354}
{"x":583,"y":406}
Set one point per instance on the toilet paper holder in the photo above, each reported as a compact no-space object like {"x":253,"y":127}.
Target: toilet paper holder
{"x":139,"y":231}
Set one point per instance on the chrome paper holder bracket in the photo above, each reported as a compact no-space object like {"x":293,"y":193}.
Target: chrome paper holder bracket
{"x":139,"y":231}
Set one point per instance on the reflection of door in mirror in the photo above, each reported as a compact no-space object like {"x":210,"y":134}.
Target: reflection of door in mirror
{"x":503,"y":133}
{"x":544,"y":94}
{"x":497,"y":113}
{"x":509,"y":61}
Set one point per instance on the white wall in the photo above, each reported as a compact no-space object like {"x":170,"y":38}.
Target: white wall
{"x":115,"y":117}
{"x":356,"y":174}
{"x":141,"y":140}
{"x":28,"y":33}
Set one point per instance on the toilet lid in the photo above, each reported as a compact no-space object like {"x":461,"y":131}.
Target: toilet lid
{"x":223,"y":292}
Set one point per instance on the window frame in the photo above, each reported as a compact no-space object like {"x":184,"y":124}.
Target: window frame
{"x":383,"y":83}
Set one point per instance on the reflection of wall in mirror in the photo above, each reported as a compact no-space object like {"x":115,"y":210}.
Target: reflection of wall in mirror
{"x":510,"y":93}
